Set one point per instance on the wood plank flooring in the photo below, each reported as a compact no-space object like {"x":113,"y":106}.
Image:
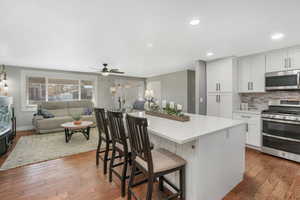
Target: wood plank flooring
{"x":77,"y":177}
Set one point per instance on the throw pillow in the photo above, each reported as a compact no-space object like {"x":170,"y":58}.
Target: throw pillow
{"x":46,"y":114}
{"x":88,"y":111}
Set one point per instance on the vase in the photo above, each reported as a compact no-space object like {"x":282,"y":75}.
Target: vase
{"x":77,"y":122}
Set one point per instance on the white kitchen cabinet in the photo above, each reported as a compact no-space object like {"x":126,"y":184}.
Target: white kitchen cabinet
{"x":276,"y":60}
{"x":251,"y":74}
{"x":226,"y":105}
{"x":253,"y":135}
{"x":258,"y":70}
{"x":213,"y":107}
{"x":283,"y":59}
{"x":294,"y":58}
{"x":220,"y":75}
{"x":220,"y":105}
{"x":221,"y":87}
{"x":244,"y":70}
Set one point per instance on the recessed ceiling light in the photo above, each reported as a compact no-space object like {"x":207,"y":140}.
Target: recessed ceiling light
{"x":208,"y":54}
{"x":277,"y":36}
{"x":150,"y":45}
{"x":194,"y":22}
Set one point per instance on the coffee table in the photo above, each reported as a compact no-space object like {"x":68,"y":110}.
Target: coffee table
{"x":71,"y":128}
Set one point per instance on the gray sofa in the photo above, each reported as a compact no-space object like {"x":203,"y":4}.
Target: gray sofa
{"x":62,"y":112}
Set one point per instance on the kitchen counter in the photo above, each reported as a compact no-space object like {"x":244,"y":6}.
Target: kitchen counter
{"x":213,"y":147}
{"x":252,"y":112}
{"x":183,"y":132}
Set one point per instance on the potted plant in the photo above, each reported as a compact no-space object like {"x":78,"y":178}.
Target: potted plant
{"x":76,"y":117}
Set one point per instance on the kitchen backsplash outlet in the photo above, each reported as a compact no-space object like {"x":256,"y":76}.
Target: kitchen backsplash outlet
{"x":260,"y":100}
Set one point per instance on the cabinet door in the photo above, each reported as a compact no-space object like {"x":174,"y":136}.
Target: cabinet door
{"x":226,"y":102}
{"x":212,"y":69}
{"x":244,"y":67}
{"x":258,"y":70}
{"x":254,"y":131}
{"x":276,"y":61}
{"x":225,"y":74}
{"x":213,"y":105}
{"x":294,"y":56}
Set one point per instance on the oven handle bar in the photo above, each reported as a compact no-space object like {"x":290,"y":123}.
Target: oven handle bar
{"x":281,"y":121}
{"x":282,"y":138}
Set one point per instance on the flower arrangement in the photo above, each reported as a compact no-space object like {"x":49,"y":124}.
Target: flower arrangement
{"x":172,"y":109}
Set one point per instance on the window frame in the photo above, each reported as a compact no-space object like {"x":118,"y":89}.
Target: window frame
{"x":54,"y":75}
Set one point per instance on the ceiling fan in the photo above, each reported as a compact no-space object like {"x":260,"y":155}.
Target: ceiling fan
{"x":105,"y":71}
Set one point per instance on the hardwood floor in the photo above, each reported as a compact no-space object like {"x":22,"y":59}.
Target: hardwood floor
{"x":77,"y":177}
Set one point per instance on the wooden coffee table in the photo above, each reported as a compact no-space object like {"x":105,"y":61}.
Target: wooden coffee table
{"x":71,"y":128}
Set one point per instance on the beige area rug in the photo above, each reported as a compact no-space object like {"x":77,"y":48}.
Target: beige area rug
{"x":37,"y":148}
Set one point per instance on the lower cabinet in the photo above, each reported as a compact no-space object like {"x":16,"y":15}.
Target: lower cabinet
{"x":253,"y":137}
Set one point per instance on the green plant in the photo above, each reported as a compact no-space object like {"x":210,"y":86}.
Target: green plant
{"x":76,"y":116}
{"x":172,"y":111}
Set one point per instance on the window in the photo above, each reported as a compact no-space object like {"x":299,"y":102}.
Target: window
{"x":87,"y":89}
{"x":52,"y":86}
{"x":63,"y":90}
{"x":36,"y":87}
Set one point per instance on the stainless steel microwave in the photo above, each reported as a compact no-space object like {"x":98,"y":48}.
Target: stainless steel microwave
{"x":283,"y":80}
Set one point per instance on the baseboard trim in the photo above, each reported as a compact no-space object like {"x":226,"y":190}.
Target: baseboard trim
{"x":25,"y":128}
{"x":253,"y":147}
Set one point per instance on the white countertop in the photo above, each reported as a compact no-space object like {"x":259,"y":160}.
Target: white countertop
{"x":183,"y":132}
{"x":253,"y":112}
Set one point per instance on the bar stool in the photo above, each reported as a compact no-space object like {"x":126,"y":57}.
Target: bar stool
{"x":121,"y":145}
{"x":154,"y":164}
{"x":104,"y":136}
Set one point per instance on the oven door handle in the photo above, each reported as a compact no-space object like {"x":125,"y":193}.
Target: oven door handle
{"x":280,"y":121}
{"x":281,"y":138}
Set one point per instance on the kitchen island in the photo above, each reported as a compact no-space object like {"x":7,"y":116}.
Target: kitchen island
{"x":213,"y":147}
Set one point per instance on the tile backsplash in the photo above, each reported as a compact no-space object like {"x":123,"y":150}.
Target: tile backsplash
{"x":260,"y":100}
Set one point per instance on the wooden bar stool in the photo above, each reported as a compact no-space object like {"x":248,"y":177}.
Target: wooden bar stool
{"x":104,"y":136}
{"x":121,"y":145}
{"x":154,"y":164}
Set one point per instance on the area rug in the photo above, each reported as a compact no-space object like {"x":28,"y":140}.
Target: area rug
{"x":37,"y":148}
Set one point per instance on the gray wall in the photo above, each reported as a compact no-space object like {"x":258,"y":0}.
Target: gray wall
{"x":104,"y":98}
{"x":191,"y":91}
{"x":174,"y":87}
{"x":200,"y":68}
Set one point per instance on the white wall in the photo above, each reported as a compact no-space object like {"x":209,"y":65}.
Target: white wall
{"x":104,"y":99}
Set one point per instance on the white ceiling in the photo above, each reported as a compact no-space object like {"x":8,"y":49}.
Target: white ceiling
{"x":76,"y":34}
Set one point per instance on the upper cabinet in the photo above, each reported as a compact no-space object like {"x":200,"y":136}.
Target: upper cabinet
{"x":220,"y":75}
{"x":294,"y":57}
{"x":283,"y":59}
{"x":251,"y":73}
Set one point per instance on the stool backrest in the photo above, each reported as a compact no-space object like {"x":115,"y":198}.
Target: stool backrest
{"x":139,"y":139}
{"x":101,"y":121}
{"x":117,"y":129}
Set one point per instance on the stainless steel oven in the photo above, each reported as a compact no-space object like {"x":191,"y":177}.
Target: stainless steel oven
{"x":281,"y":131}
{"x":284,"y":80}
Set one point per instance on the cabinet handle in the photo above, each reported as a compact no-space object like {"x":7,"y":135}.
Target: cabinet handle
{"x":248,"y":85}
{"x":247,"y":127}
{"x":219,"y":86}
{"x":216,"y":86}
{"x":219,"y":98}
{"x":251,"y":85}
{"x":290,"y":62}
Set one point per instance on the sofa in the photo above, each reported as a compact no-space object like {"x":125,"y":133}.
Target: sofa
{"x":60,"y":112}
